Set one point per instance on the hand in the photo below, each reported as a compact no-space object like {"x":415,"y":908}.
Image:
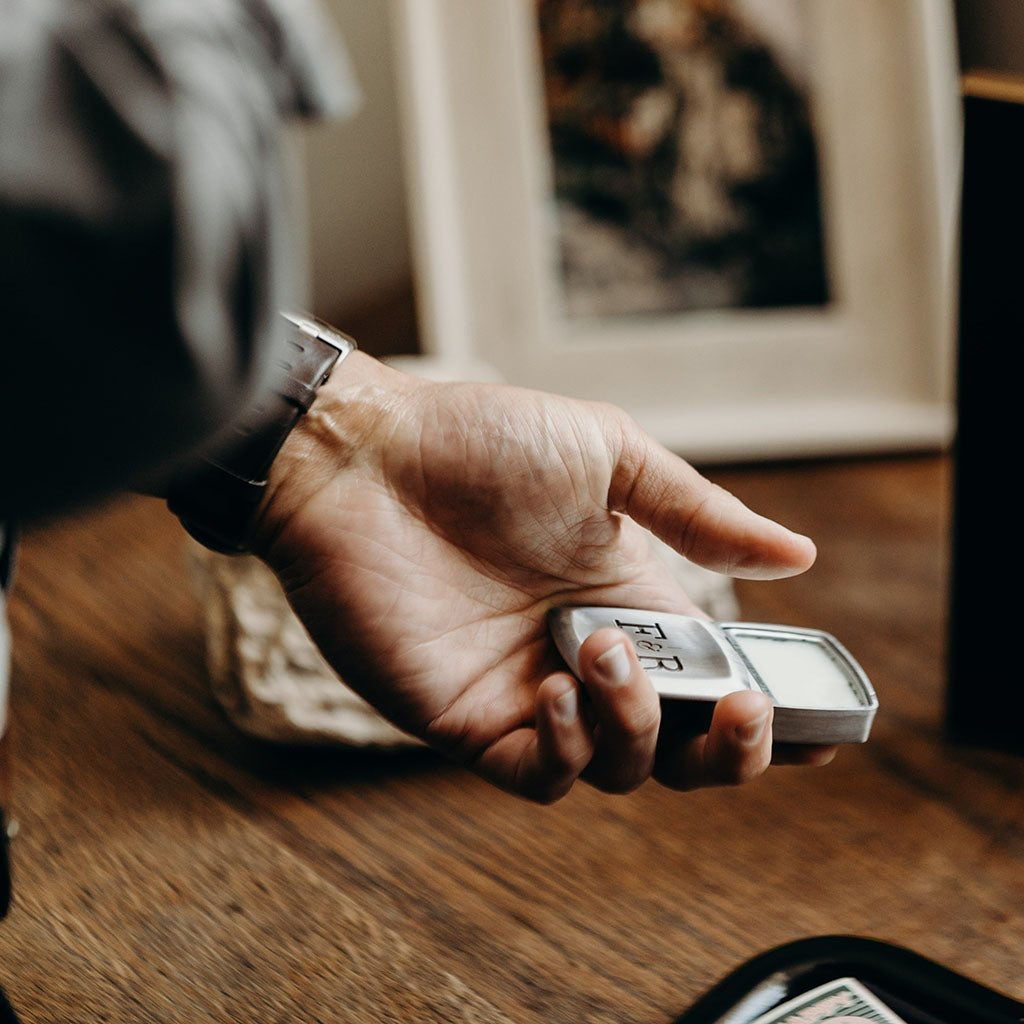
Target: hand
{"x":422,"y":531}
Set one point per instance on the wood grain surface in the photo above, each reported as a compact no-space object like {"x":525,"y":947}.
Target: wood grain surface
{"x":169,"y":870}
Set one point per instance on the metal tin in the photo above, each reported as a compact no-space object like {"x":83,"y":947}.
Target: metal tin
{"x":693,"y":659}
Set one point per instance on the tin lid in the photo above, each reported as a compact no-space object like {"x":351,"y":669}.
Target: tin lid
{"x":685,"y":657}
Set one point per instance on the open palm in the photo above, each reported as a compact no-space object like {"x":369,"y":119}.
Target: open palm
{"x":423,"y":531}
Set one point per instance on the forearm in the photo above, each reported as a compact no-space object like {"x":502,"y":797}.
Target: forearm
{"x":145,"y":247}
{"x":98,"y":385}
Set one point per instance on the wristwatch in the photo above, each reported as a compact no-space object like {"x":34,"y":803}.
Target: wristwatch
{"x":217,"y":498}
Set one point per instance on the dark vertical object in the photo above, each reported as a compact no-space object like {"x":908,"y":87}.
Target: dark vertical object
{"x":986,"y":683}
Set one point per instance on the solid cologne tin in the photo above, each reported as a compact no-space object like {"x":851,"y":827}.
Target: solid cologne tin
{"x":821,"y":694}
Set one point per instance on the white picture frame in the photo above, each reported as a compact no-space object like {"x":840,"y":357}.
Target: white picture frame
{"x":870,"y":372}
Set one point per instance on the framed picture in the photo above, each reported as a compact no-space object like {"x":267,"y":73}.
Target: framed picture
{"x":734,"y":218}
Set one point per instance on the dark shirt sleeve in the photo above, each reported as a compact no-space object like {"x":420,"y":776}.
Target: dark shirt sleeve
{"x":144,"y":243}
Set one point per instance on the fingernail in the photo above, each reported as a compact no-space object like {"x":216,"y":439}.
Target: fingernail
{"x":613,"y":666}
{"x":751,"y":733}
{"x":567,"y":707}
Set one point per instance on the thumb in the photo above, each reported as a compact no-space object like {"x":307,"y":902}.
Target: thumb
{"x":699,"y":519}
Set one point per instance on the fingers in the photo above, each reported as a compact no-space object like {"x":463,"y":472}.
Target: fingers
{"x":699,"y":519}
{"x":542,"y":763}
{"x":620,"y":737}
{"x":736,"y":748}
{"x":611,"y":742}
{"x":565,"y":744}
{"x":624,"y":709}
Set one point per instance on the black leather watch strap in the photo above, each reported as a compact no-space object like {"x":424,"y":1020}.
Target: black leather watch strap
{"x":217,"y":499}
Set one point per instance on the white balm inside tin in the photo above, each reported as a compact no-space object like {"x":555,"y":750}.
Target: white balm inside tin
{"x":821,"y":694}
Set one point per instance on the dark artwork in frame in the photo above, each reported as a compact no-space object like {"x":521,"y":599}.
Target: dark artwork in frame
{"x":684,"y":155}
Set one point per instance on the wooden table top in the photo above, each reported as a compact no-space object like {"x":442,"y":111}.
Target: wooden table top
{"x":169,"y":870}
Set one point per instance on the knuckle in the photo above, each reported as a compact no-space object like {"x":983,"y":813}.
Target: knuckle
{"x":620,"y":429}
{"x":617,"y":777}
{"x":548,"y":791}
{"x":620,"y":786}
{"x":740,"y":772}
{"x":455,"y":732}
{"x":567,"y":763}
{"x":639,"y":722}
{"x":701,"y":517}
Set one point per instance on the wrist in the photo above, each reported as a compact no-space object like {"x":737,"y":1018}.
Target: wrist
{"x":341,"y":438}
{"x":218,"y":496}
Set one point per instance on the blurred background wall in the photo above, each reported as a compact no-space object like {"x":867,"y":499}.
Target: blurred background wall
{"x":355,"y":190}
{"x":356,"y":204}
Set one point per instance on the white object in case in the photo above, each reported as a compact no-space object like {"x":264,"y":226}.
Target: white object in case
{"x":821,"y":694}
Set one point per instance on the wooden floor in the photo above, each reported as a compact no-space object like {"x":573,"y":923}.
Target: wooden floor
{"x":169,"y":870}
